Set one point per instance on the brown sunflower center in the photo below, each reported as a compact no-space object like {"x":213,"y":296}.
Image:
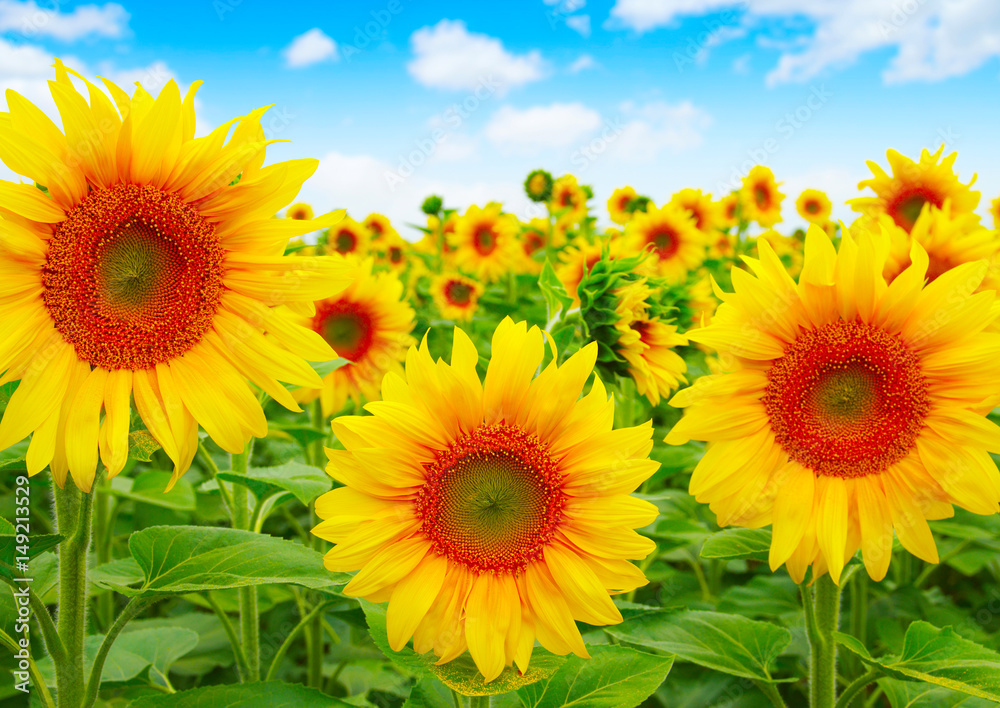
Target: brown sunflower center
{"x":484,"y":240}
{"x":492,"y":500}
{"x":345,"y":242}
{"x":846,"y":400}
{"x":762,"y":196}
{"x":812,"y":207}
{"x":346,"y":326}
{"x":533,"y":242}
{"x":905,"y":208}
{"x":664,"y":241}
{"x":133,"y":277}
{"x":458,"y":293}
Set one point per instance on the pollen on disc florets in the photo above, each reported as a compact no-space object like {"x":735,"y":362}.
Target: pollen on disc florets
{"x":846,"y":400}
{"x":492,"y":500}
{"x":133,"y":277}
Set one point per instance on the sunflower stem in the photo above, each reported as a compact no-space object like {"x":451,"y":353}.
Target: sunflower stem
{"x":249,"y":620}
{"x":856,"y":689}
{"x":314,"y":628}
{"x":102,"y":546}
{"x":822,"y":608}
{"x":133,"y":608}
{"x":480,"y":701}
{"x":859,"y":621}
{"x":74,"y":514}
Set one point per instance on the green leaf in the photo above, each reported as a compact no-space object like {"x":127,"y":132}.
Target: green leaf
{"x":939,"y":657}
{"x":909,"y":694}
{"x":460,"y":674}
{"x":181,"y":559}
{"x":328,"y":367}
{"x":733,"y":544}
{"x":728,"y":643}
{"x":142,"y":445}
{"x":273,"y":694}
{"x":148,"y":486}
{"x":430,"y":693}
{"x":614,"y":676}
{"x":304,"y":481}
{"x":556,"y":297}
{"x":132,"y":653}
{"x":304,"y":435}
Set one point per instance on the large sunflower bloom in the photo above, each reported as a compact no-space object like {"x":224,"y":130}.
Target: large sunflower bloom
{"x":485,"y":242}
{"x":148,"y":272}
{"x":760,"y":197}
{"x":378,"y":226}
{"x":489,"y":514}
{"x":913,"y":184}
{"x":854,"y":407}
{"x":670,"y":234}
{"x":368,"y":324}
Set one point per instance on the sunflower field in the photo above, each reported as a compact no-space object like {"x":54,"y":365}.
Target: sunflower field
{"x":258,"y":456}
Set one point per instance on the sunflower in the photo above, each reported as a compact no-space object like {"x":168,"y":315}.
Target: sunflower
{"x":149,"y":271}
{"x":788,"y":248}
{"x":538,"y":186}
{"x":646,"y":343}
{"x":853,"y":407}
{"x":300,"y":211}
{"x":722,"y":245}
{"x":569,"y":201}
{"x":948,"y":239}
{"x":995,"y":211}
{"x":369,"y":324}
{"x":814,"y":206}
{"x":485,"y":242}
{"x":348,"y":238}
{"x":392,"y":251}
{"x":729,"y":211}
{"x":618,"y":203}
{"x":760,"y":197}
{"x":671,"y":235}
{"x":379,"y":226}
{"x":456,"y":296}
{"x":532,"y":239}
{"x":703,"y":210}
{"x":489,"y":514}
{"x":914,"y":184}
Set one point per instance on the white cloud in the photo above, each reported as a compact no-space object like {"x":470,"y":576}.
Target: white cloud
{"x":448,"y":56}
{"x":579,"y":24}
{"x":585,"y":61}
{"x":644,"y":131}
{"x":31,"y":20}
{"x":933,"y":40}
{"x":532,"y":130}
{"x":310,"y":48}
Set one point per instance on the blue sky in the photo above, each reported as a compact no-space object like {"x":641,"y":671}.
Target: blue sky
{"x":401,"y":98}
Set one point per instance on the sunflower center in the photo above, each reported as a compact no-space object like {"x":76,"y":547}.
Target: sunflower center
{"x":533,"y":241}
{"x":665,"y":242}
{"x":133,"y":277}
{"x":906,"y":207}
{"x":846,"y":400}
{"x":484,"y":240}
{"x":492,"y":500}
{"x":345,"y":242}
{"x":346,"y":326}
{"x":537,"y":184}
{"x":395,"y":254}
{"x":458,"y":293}
{"x":762,"y":196}
{"x":812,"y":207}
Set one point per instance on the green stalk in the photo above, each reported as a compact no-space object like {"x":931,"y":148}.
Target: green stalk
{"x":285,"y":645}
{"x":771,"y":691}
{"x":822,"y":607}
{"x":314,"y":628}
{"x":856,"y":688}
{"x":234,"y":641}
{"x":74,"y":513}
{"x":480,"y":701}
{"x":859,"y":620}
{"x":133,"y":608}
{"x":249,"y":619}
{"x":102,"y":545}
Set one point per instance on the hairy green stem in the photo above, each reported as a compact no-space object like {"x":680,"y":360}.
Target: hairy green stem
{"x":74,"y":513}
{"x":771,"y":691}
{"x":102,"y":546}
{"x":249,"y":619}
{"x":480,"y":701}
{"x":285,"y":645}
{"x":314,"y":628}
{"x":133,"y":608}
{"x":855,"y":688}
{"x":822,"y":603}
{"x":234,"y":641}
